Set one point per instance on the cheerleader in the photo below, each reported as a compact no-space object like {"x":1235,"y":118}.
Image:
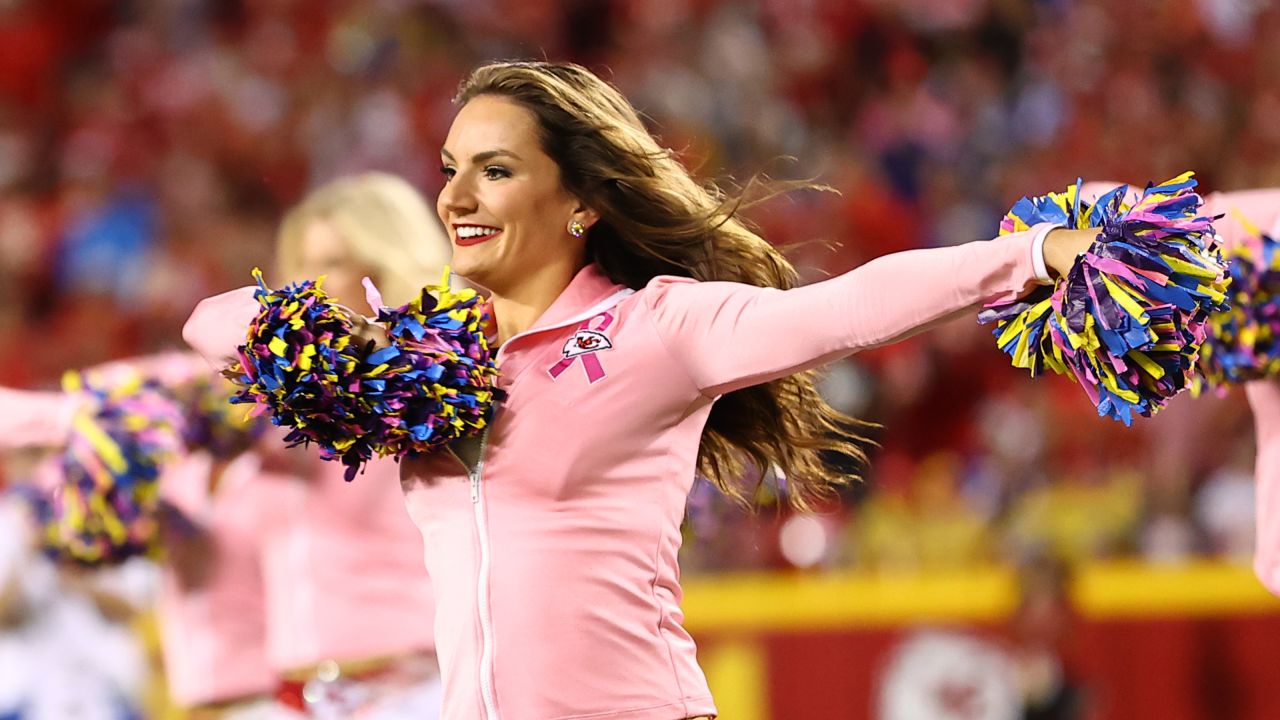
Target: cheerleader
{"x":311,"y":586}
{"x":1260,"y":209}
{"x":349,"y":607}
{"x":645,"y":333}
{"x":210,"y":593}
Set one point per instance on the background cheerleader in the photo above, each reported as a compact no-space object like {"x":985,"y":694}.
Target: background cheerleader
{"x":349,"y":606}
{"x":1245,"y":214}
{"x":210,"y":590}
{"x":283,"y":529}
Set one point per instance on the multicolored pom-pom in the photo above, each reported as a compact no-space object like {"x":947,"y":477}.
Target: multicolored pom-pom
{"x":1129,"y":319}
{"x":212,"y":423}
{"x":301,"y":364}
{"x":105,"y":510}
{"x":1244,"y":340}
{"x":435,"y":382}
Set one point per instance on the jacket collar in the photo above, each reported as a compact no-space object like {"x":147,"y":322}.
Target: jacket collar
{"x":590,"y":293}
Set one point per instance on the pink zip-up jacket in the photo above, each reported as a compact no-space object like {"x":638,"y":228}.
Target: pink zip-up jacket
{"x":342,"y":561}
{"x":553,"y":552}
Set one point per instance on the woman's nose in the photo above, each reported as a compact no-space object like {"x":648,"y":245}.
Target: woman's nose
{"x":456,"y":198}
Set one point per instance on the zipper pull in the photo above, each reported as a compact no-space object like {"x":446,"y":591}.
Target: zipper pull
{"x":475,"y":488}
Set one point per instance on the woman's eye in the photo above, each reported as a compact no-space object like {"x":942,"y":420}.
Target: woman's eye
{"x":494,"y":172}
{"x":448,"y":172}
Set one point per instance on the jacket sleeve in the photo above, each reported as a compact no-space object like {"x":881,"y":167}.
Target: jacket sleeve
{"x":1260,"y":207}
{"x":728,"y":336}
{"x":1264,"y":399}
{"x":218,"y":325}
{"x":35,"y":419}
{"x":171,"y":368}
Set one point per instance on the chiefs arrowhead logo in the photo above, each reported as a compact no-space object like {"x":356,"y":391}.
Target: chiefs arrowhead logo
{"x":585,"y":341}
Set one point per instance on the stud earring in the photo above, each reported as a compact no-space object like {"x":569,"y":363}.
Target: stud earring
{"x":577,"y":229}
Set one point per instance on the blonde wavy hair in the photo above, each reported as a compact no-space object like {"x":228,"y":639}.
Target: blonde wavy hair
{"x":655,"y":219}
{"x":386,"y":225}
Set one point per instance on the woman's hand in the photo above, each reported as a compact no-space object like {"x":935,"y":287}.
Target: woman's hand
{"x":366,"y":331}
{"x":1062,"y":247}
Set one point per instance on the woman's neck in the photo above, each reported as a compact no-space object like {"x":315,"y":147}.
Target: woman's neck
{"x":517,"y":308}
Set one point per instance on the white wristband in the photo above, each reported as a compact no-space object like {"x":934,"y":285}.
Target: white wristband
{"x":1037,"y":252}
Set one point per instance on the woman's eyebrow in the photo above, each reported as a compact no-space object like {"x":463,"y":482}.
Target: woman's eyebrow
{"x":481,"y":156}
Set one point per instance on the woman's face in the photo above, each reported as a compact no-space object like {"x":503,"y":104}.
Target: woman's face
{"x":503,"y":205}
{"x":325,"y":253}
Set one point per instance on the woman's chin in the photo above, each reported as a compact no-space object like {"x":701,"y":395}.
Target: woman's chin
{"x":471,"y":272}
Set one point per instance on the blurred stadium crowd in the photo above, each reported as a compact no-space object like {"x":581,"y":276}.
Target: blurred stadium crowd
{"x":147,"y":149}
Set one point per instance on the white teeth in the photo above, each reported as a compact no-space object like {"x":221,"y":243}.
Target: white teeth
{"x":470,"y":231}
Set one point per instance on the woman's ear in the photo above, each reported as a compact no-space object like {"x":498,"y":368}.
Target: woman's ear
{"x":586,"y":215}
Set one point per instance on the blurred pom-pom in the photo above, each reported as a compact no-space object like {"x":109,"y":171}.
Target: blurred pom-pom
{"x":105,"y":510}
{"x":213,"y":423}
{"x":1243,"y":343}
{"x":435,"y":383}
{"x":1130,"y":317}
{"x":301,"y":364}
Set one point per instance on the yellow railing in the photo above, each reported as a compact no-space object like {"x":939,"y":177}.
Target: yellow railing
{"x":784,"y":601}
{"x":735,"y":609}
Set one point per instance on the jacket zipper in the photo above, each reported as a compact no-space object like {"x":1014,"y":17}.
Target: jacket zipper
{"x":482,"y":584}
{"x":482,"y":530}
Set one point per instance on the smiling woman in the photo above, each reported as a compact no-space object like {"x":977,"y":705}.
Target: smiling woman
{"x":646,"y":334}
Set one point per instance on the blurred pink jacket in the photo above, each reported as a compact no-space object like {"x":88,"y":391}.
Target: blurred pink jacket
{"x":555,"y":554}
{"x":342,"y":564}
{"x":30,"y":418}
{"x":213,"y":635}
{"x":1260,"y":207}
{"x":335,"y":567}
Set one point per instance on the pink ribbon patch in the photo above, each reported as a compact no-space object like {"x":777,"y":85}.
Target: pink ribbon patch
{"x":583,"y":347}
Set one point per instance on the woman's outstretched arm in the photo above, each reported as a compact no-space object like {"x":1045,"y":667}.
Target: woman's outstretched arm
{"x":729,"y":336}
{"x":35,"y":419}
{"x":218,"y":325}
